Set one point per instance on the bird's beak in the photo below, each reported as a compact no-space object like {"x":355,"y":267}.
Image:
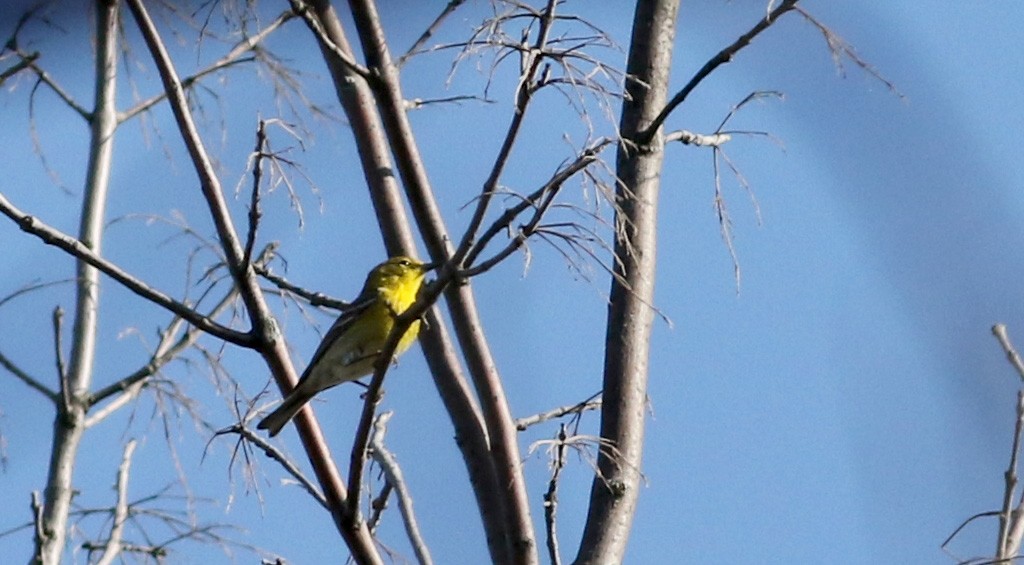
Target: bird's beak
{"x":431,"y":266}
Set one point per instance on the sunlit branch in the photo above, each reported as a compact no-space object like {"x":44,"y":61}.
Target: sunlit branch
{"x":389,"y":465}
{"x":592,"y":403}
{"x":701,"y":140}
{"x":167,"y":350}
{"x":114,"y":542}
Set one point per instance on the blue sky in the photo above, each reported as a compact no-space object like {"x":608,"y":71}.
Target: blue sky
{"x":848,"y":403}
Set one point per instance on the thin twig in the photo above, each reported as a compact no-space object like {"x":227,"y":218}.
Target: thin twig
{"x":166,"y":351}
{"x":306,"y":13}
{"x":276,"y":455}
{"x":45,"y":78}
{"x":389,"y":464}
{"x":22,"y":64}
{"x":28,"y":379}
{"x":259,"y":153}
{"x":233,"y":57}
{"x":592,"y":403}
{"x":524,"y":93}
{"x":315,"y":298}
{"x":430,"y":31}
{"x":551,"y":496}
{"x":379,"y":504}
{"x":540,"y":200}
{"x":114,"y":542}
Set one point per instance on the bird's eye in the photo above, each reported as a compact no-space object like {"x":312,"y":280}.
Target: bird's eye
{"x":405,"y":262}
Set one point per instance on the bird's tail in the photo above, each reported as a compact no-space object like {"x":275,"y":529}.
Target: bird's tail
{"x":277,"y":419}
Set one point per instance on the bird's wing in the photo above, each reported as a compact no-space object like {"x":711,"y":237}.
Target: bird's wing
{"x":341,"y":325}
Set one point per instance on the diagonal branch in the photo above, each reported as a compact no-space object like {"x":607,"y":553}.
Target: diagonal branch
{"x":315,"y":298}
{"x":28,"y":379}
{"x":71,"y":245}
{"x":166,"y":352}
{"x":269,"y":343}
{"x":23,"y":63}
{"x":430,"y":31}
{"x":540,"y":200}
{"x":366,"y":118}
{"x":523,"y":95}
{"x":233,"y":57}
{"x":305,"y":11}
{"x":724,"y":56}
{"x":276,"y":455}
{"x":45,"y":78}
{"x":208,"y":180}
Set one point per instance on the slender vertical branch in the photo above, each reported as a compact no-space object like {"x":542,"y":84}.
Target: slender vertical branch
{"x":360,"y":107}
{"x":615,"y":486}
{"x":513,"y":504}
{"x":389,"y":464}
{"x":69,"y":422}
{"x":114,"y":542}
{"x":551,"y":496}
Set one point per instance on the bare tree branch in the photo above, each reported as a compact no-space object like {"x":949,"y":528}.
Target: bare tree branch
{"x":472,"y":435}
{"x":29,"y":380}
{"x":45,"y":78}
{"x":70,"y":413}
{"x":233,"y":57}
{"x":999,"y":330}
{"x":276,"y":455}
{"x":114,"y":542}
{"x":592,"y":403}
{"x":73,"y":246}
{"x":271,"y":346}
{"x":540,"y":200}
{"x":315,"y":298}
{"x":389,"y":464}
{"x":58,"y":347}
{"x":23,"y":63}
{"x":167,"y":350}
{"x":722,"y":57}
{"x":551,"y":496}
{"x":617,"y":480}
{"x":429,"y":32}
{"x":306,"y":12}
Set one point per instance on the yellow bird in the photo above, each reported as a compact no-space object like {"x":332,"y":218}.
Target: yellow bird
{"x":351,"y":347}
